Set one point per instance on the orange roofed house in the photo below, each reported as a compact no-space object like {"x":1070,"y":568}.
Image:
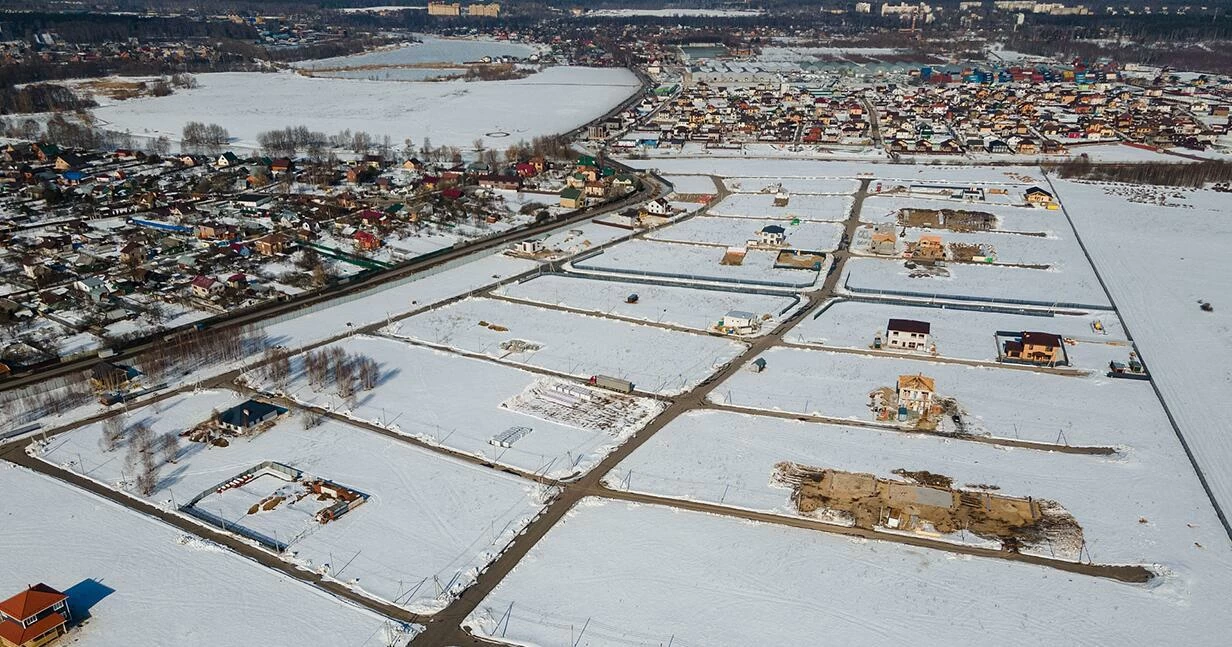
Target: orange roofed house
{"x":34,"y":617}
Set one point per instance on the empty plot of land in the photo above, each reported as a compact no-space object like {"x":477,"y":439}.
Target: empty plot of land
{"x":729,"y":232}
{"x":696,"y":308}
{"x":830,"y":208}
{"x":654,"y":359}
{"x":427,"y":516}
{"x":792,"y":185}
{"x":1096,"y":411}
{"x":144,"y":583}
{"x":1159,"y":263}
{"x":691,"y":263}
{"x":459,"y":403}
{"x":399,"y":297}
{"x":727,"y":458}
{"x":692,"y":184}
{"x":1073,"y":285}
{"x":649,"y":575}
{"x":965,"y":333}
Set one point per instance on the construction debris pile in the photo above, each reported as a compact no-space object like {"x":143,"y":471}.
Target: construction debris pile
{"x":926,"y":503}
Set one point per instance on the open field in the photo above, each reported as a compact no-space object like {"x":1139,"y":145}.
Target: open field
{"x":144,"y":583}
{"x":428,"y":517}
{"x":694,"y":308}
{"x":646,"y":575}
{"x":964,"y":333}
{"x":997,"y":402}
{"x":779,"y":169}
{"x":654,"y":359}
{"x":1158,"y":263}
{"x":454,"y":113}
{"x":460,"y":403}
{"x":691,"y":263}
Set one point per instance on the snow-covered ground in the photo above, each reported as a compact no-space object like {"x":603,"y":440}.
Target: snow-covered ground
{"x":1073,"y":285}
{"x":832,"y":208}
{"x":458,"y":402}
{"x":391,"y":299}
{"x":732,"y":232}
{"x":648,"y":575}
{"x":964,"y":333}
{"x":144,"y":583}
{"x":692,"y":263}
{"x":451,"y":113}
{"x":1029,"y":405}
{"x":728,"y":458}
{"x":699,"y":309}
{"x":428,"y":516}
{"x":692,"y":183}
{"x":1158,"y":263}
{"x":654,"y":359}
{"x":793,"y":186}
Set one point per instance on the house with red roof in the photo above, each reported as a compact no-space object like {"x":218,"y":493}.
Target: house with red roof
{"x":34,"y":617}
{"x":367,"y":240}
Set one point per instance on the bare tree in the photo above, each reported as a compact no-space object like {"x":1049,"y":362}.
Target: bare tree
{"x":113,"y":432}
{"x":169,"y":446}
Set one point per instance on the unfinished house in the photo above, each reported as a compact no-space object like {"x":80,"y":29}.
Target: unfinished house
{"x":916,"y":393}
{"x":1040,"y":348}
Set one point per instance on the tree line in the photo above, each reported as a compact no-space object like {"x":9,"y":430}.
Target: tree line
{"x":1194,"y":174}
{"x":41,"y":97}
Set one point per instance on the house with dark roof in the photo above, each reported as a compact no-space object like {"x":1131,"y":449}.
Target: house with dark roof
{"x":243,"y":417}
{"x":34,"y":617}
{"x":907,"y":334}
{"x":1039,"y":348}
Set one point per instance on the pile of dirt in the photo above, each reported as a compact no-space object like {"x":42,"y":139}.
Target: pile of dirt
{"x":928,"y":503}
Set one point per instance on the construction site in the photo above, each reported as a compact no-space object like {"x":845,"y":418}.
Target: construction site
{"x":584,"y":407}
{"x":960,"y":220}
{"x":929,"y":504}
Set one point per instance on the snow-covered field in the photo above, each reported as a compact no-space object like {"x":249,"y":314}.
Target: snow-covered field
{"x":692,"y":183}
{"x":964,"y":333}
{"x":428,"y":516}
{"x":1004,"y":403}
{"x":647,"y":575}
{"x":145,"y":583}
{"x":1158,"y":263}
{"x":733,"y":232}
{"x":452,"y":113}
{"x":456,"y":402}
{"x":654,"y":359}
{"x":397,"y":298}
{"x":793,"y":186}
{"x":694,"y":308}
{"x":1074,"y":285}
{"x":832,"y":208}
{"x":728,"y":458}
{"x":673,"y":261}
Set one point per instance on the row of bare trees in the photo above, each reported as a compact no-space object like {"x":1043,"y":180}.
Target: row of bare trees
{"x":197,"y":348}
{"x":147,"y":452}
{"x":346,"y":373}
{"x":1194,"y":174}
